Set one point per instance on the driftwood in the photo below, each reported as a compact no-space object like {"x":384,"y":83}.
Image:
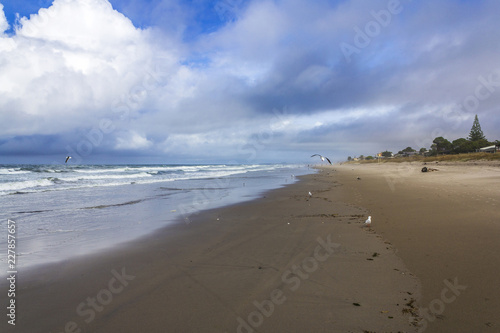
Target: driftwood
{"x":426,"y":169}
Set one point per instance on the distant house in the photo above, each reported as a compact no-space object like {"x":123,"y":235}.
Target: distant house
{"x":381,"y":155}
{"x":490,"y":149}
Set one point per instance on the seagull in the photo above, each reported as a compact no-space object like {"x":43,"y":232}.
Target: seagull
{"x":67,"y":159}
{"x":310,"y":194}
{"x":323,"y":158}
{"x":368,"y":222}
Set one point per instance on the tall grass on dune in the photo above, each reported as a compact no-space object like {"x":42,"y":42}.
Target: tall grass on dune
{"x":440,"y":158}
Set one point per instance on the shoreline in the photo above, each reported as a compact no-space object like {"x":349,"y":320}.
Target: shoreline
{"x":58,"y":224}
{"x":283,"y":262}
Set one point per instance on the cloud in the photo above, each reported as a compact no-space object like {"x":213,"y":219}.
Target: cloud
{"x":4,"y":25}
{"x":69,"y":64}
{"x":132,"y":141}
{"x":269,"y":78}
{"x":91,"y":26}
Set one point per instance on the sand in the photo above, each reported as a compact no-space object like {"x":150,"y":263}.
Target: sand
{"x":445,"y":226}
{"x":284,"y":263}
{"x":292,"y":263}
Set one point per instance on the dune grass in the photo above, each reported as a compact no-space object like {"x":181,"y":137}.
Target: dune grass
{"x":441,"y":158}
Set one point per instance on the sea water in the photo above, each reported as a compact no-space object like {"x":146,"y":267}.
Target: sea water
{"x":61,"y":211}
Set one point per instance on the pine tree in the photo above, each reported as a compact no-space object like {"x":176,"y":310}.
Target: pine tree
{"x":476,"y":133}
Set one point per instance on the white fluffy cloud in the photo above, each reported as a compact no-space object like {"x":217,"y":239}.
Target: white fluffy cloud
{"x":132,"y":141}
{"x":4,"y":25}
{"x":90,"y":25}
{"x":70,"y":64}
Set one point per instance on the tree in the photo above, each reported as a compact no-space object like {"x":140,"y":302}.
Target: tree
{"x":407,"y":150}
{"x":369,"y":158}
{"x":476,"y":133}
{"x":422,"y":151}
{"x":387,"y":153}
{"x":440,"y":146}
{"x":480,"y":144}
{"x":462,"y":145}
{"x":349,"y":158}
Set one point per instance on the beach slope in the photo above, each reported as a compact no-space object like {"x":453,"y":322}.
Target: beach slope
{"x":287,"y":262}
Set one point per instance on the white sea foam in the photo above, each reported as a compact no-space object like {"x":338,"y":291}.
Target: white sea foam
{"x":102,"y":170}
{"x":12,"y":172}
{"x":36,"y":178}
{"x":28,"y":184}
{"x":104,"y":177}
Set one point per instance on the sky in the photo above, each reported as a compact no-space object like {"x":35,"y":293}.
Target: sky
{"x":242,"y":81}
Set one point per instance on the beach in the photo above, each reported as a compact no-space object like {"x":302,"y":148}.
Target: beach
{"x":445,"y":226}
{"x":250,"y":166}
{"x":218,"y":272}
{"x":62,"y":211}
{"x":293,"y":262}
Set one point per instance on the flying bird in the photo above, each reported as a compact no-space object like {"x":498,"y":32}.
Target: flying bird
{"x":368,"y":222}
{"x":323,"y":158}
{"x":67,"y":159}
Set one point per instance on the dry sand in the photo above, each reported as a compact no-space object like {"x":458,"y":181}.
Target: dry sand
{"x":284,"y":263}
{"x":446,"y":227}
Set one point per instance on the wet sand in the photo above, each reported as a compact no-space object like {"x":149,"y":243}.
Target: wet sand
{"x":286,"y":262}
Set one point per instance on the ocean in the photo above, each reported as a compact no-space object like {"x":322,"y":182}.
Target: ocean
{"x":62,"y":211}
